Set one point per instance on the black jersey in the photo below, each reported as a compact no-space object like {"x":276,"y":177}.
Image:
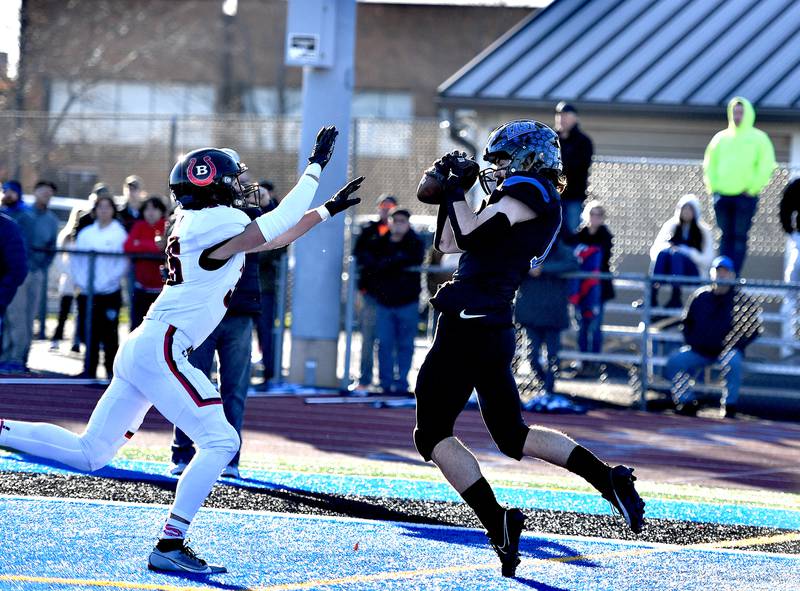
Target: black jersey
{"x":490,"y":272}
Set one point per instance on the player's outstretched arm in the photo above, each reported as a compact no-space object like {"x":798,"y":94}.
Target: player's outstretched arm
{"x":339,"y":202}
{"x":271,"y":225}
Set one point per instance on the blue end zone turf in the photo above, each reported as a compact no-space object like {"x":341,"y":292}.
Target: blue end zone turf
{"x":401,"y":488}
{"x":78,"y":544}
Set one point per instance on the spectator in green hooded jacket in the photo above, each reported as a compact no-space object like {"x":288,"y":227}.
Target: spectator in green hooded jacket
{"x":738,"y":164}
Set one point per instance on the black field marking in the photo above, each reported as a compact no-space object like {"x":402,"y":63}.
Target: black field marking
{"x":289,"y":500}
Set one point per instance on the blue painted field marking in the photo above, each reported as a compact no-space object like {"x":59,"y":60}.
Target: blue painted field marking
{"x":94,"y":544}
{"x":405,"y":488}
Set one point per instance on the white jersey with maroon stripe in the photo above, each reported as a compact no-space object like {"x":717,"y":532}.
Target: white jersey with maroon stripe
{"x":198,"y":289}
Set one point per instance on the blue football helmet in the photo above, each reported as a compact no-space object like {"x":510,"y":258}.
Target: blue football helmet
{"x":528,"y":144}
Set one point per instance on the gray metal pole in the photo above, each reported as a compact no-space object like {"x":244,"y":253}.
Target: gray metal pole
{"x":280,"y":314}
{"x":349,"y":309}
{"x":644,"y":379}
{"x":317,"y":292}
{"x":43,"y":304}
{"x":87,"y":322}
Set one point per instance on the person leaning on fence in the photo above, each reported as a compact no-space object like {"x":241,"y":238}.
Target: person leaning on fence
{"x":107,"y":235}
{"x":396,"y":289}
{"x":13,"y":265}
{"x":542,"y":308}
{"x":684,"y":247}
{"x":367,"y":317}
{"x":594,"y":243}
{"x":738,"y":164}
{"x":146,"y":237}
{"x":40,"y":229}
{"x":719,"y":322}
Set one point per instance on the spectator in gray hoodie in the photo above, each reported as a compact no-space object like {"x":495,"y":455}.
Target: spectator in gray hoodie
{"x":541,"y":308}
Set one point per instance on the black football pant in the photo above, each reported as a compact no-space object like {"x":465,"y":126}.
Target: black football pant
{"x":467,"y":355}
{"x":105,"y":327}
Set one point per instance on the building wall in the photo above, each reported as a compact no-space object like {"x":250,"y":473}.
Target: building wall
{"x":411,"y":48}
{"x":637,"y":136}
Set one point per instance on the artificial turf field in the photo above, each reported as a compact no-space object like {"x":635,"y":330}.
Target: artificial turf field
{"x":282,"y":530}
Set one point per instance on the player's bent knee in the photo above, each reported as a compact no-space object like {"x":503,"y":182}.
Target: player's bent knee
{"x":425,"y":441}
{"x":511,"y":442}
{"x":224,"y":440}
{"x":97,"y":454}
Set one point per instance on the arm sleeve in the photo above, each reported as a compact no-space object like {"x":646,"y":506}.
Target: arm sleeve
{"x":487,"y":235}
{"x":662,"y":239}
{"x":292,"y":207}
{"x":710,"y":166}
{"x":495,"y":229}
{"x":79,"y":262}
{"x":441,"y":220}
{"x":765,"y":165}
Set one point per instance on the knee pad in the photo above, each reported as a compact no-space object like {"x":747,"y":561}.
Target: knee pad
{"x":97,"y":453}
{"x":228,"y":441}
{"x":425,"y":441}
{"x":217,"y":434}
{"x":511,"y":441}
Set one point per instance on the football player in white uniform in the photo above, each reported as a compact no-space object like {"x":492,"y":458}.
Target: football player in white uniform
{"x":205,"y":257}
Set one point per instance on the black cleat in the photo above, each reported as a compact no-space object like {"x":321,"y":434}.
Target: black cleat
{"x":508,"y":551}
{"x":624,"y":498}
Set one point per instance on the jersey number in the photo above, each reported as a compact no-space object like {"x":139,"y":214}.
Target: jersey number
{"x":174,"y":272}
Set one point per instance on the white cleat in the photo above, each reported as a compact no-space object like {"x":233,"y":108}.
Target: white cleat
{"x":182,"y":560}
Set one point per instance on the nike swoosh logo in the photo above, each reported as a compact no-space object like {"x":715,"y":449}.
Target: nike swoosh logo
{"x":466,"y":316}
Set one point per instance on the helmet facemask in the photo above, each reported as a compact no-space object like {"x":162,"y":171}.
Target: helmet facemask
{"x":528,"y":146}
{"x":244,"y":194}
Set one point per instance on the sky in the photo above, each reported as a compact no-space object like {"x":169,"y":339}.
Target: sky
{"x":9,"y":33}
{"x":9,"y":20}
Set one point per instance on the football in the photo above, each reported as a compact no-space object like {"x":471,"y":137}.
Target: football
{"x":429,"y":190}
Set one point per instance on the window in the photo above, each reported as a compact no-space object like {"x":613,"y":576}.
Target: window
{"x":128,"y":112}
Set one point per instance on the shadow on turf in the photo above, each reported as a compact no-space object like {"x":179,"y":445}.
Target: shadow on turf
{"x":205,"y":579}
{"x":537,"y":549}
{"x":539,"y":586}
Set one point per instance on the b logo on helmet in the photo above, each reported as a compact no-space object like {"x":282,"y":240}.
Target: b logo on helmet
{"x":201,"y":175}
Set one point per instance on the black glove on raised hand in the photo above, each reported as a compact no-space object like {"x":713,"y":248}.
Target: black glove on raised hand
{"x":464,"y":168}
{"x":323,"y":147}
{"x":439,"y":170}
{"x":342,"y":200}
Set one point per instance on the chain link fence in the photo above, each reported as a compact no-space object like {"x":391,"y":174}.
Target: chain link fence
{"x":639,"y":194}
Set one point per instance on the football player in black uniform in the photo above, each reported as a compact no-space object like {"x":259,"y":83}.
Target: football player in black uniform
{"x":512,"y":230}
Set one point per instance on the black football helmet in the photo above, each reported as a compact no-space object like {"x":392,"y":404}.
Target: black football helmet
{"x":528,"y":144}
{"x":208,"y":177}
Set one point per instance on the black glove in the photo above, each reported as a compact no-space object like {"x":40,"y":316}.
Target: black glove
{"x":323,"y":147}
{"x":341,"y":200}
{"x":463,"y":168}
{"x":439,"y":170}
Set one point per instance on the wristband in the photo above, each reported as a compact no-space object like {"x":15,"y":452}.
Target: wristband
{"x":323,"y":212}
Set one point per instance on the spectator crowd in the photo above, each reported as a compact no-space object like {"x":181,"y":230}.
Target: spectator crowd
{"x":718,"y":321}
